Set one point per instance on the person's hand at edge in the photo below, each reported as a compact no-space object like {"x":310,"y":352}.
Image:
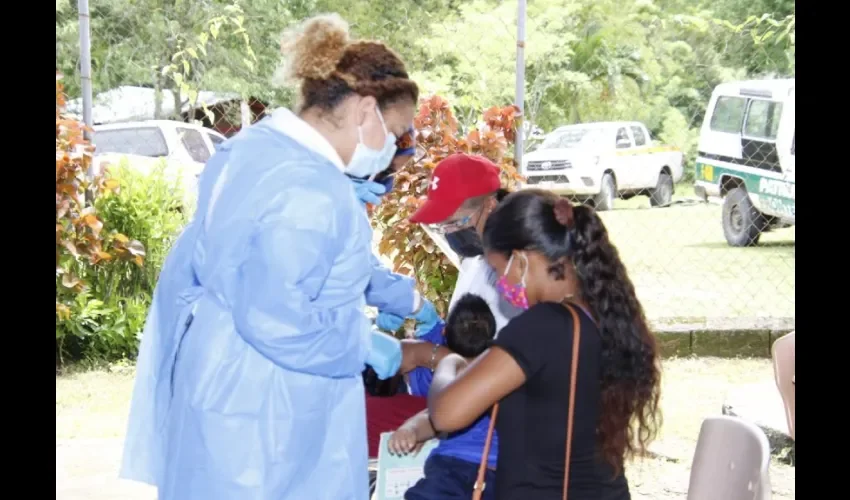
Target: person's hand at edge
{"x":389,"y":322}
{"x":426,"y":318}
{"x":369,"y":192}
{"x":403,"y":442}
{"x":385,"y":356}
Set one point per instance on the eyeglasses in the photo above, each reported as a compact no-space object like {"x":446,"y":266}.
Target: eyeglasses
{"x":406,"y":143}
{"x":450,"y":227}
{"x":458,"y":224}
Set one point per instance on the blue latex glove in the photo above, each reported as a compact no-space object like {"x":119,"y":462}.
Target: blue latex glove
{"x":385,"y":355}
{"x":426,"y":319}
{"x":369,"y":192}
{"x":389,"y":322}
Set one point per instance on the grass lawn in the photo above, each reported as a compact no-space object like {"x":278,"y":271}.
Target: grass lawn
{"x":685,"y":272}
{"x":91,"y":410}
{"x":683,"y":268}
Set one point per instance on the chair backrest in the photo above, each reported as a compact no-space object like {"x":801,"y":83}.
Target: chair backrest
{"x":784,"y":362}
{"x":730,"y":462}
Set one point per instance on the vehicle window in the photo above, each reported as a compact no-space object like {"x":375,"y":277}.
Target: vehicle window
{"x":572,"y":137}
{"x":194,"y":143}
{"x":640,"y":137}
{"x":763,"y":119}
{"x":143,"y":141}
{"x":728,"y":115}
{"x":623,"y":140}
{"x":216,"y":140}
{"x":551,"y":141}
{"x":580,"y":136}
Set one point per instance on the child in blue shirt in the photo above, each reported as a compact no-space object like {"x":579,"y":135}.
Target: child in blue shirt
{"x":452,"y":467}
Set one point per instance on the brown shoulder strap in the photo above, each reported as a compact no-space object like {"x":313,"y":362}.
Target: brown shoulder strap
{"x":478,"y":488}
{"x":480,"y":484}
{"x":571,"y":408}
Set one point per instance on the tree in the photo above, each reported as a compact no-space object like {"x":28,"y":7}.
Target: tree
{"x":138,"y":42}
{"x":438,"y":136}
{"x":80,"y":240}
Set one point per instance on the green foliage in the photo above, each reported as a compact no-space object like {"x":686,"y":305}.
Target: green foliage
{"x":586,"y":60}
{"x":675,"y":132}
{"x":438,"y":136}
{"x":82,"y":241}
{"x":107,"y":316}
{"x":179,"y":45}
{"x":96,"y":331}
{"x":150,"y":207}
{"x":186,"y":71}
{"x":655,"y":61}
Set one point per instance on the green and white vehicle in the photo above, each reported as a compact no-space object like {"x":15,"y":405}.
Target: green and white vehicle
{"x":746,"y":156}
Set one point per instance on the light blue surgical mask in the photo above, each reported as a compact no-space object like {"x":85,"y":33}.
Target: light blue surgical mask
{"x":367,"y":162}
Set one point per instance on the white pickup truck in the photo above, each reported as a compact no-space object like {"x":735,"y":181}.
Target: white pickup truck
{"x":183,"y":147}
{"x":599,"y":162}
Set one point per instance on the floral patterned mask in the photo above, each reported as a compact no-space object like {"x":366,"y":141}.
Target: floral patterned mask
{"x":516,"y":295}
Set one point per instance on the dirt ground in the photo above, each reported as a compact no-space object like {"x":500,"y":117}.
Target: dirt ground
{"x":91,"y":410}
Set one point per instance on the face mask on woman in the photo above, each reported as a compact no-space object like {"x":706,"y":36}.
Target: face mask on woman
{"x":366,"y":162}
{"x":465,"y":242}
{"x":514,"y":294}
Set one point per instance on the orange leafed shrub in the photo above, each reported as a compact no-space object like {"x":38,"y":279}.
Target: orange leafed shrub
{"x":79,"y":235}
{"x":412,"y":251}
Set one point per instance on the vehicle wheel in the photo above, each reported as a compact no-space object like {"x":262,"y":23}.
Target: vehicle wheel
{"x":605,"y":199}
{"x":662,"y":194}
{"x":742,"y":222}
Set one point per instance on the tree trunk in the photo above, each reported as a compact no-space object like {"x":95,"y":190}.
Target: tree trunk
{"x":575,"y":115}
{"x":157,"y":96}
{"x":613,"y":81}
{"x":178,"y":104}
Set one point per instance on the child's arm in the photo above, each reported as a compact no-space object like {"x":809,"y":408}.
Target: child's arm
{"x":419,"y":354}
{"x":412,"y":434}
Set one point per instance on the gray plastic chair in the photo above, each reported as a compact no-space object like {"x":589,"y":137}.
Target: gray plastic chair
{"x":731,"y":461}
{"x":784,"y":367}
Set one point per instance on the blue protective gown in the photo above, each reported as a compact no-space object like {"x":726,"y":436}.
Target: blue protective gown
{"x":248,"y":381}
{"x":390,"y":292}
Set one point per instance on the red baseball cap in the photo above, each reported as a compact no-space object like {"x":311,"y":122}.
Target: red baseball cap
{"x":456,"y":179}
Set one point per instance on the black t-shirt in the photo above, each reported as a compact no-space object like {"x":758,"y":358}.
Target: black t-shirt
{"x":532,"y":420}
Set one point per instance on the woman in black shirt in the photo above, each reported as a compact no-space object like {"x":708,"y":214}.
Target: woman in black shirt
{"x":549,"y":253}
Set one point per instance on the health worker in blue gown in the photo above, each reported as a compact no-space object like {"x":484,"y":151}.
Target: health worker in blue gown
{"x":394,"y":295}
{"x":248,"y":380}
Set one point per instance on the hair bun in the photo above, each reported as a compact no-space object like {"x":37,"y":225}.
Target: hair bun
{"x":313,"y":48}
{"x":564,"y":213}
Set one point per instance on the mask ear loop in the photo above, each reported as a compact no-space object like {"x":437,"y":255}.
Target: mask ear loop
{"x":360,"y":131}
{"x":524,"y":271}
{"x":360,"y":136}
{"x":386,"y":133}
{"x":381,"y":118}
{"x":508,"y":267}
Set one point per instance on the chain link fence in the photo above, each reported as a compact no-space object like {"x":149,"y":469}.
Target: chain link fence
{"x":700,"y":221}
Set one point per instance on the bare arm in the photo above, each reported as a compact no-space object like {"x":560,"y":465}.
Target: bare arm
{"x":410,"y":436}
{"x":418,"y":353}
{"x":461,"y":394}
{"x":420,"y":425}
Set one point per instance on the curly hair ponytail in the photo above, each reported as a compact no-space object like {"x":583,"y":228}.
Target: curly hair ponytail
{"x":631,"y":377}
{"x":329,"y":66}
